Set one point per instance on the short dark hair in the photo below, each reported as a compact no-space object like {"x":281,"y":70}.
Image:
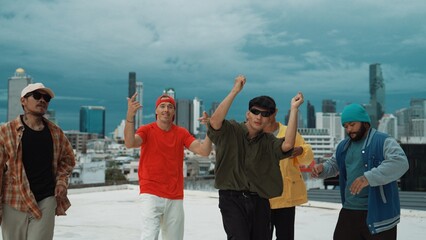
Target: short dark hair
{"x":265,"y":102}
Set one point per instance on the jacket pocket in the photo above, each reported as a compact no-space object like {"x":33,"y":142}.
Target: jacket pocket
{"x":294,"y":188}
{"x":382,"y":194}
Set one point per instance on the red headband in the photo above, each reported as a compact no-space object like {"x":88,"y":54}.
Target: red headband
{"x":165,"y":98}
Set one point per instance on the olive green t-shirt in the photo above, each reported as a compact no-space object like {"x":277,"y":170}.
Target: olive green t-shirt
{"x":244,"y":164}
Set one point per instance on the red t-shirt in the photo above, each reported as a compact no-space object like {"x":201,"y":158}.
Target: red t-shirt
{"x":161,"y":162}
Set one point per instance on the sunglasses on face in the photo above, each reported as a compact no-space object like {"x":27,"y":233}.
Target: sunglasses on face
{"x":39,"y":95}
{"x":262,"y":113}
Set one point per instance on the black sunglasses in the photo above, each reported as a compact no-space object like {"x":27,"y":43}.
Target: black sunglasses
{"x":263,"y":113}
{"x":38,"y":95}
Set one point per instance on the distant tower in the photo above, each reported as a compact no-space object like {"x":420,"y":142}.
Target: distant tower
{"x":139,"y":113}
{"x":213,"y":107}
{"x":132,"y":86}
{"x":132,"y":83}
{"x":417,"y":117}
{"x":388,"y":124}
{"x":170,"y":92}
{"x":300,"y":123}
{"x":311,"y":115}
{"x":184,"y":113}
{"x":328,"y":106}
{"x":92,"y":120}
{"x":331,"y":122}
{"x":376,"y":108}
{"x":197,"y":108}
{"x":16,"y":83}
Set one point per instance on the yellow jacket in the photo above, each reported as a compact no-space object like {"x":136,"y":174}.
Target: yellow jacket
{"x":294,"y":191}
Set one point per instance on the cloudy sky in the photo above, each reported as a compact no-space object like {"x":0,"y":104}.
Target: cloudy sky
{"x":84,"y":51}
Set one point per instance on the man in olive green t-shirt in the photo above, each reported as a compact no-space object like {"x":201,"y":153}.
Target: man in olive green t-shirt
{"x":247,"y":163}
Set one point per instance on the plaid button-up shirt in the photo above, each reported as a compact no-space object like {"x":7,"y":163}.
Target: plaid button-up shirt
{"x":14,"y":185}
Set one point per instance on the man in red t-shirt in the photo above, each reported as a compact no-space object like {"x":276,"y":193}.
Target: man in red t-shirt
{"x":160,"y":171}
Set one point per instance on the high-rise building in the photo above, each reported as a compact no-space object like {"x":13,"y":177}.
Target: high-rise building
{"x":197,"y":105}
{"x":183,"y":113}
{"x":388,"y":124}
{"x":132,"y":84}
{"x":403,"y":121}
{"x":15,"y":85}
{"x":417,"y":125}
{"x":411,"y":120}
{"x":300,"y":123}
{"x":213,"y":107}
{"x":92,"y":120}
{"x":418,"y":108}
{"x":376,"y":107}
{"x":321,"y":141}
{"x":139,"y":113}
{"x":132,"y":87}
{"x":418,"y":128}
{"x":310,"y":109}
{"x":328,"y":106}
{"x":79,"y":140}
{"x":331,"y":122}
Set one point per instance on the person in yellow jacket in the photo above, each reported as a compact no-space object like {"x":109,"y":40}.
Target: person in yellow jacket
{"x":283,"y":208}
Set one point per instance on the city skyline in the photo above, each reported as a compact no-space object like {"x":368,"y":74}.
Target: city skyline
{"x":322,"y":48}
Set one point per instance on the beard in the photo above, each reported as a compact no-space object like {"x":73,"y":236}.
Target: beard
{"x":358,"y":134}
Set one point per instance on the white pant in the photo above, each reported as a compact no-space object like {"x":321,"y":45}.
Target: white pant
{"x":22,"y":225}
{"x":158,"y":212}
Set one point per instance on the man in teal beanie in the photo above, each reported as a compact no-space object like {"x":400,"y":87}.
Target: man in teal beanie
{"x":355,"y":113}
{"x":368,"y":163}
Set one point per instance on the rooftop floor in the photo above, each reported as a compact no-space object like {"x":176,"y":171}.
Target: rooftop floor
{"x":112,"y":213}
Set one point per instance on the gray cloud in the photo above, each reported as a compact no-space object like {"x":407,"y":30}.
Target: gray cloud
{"x":85,"y":49}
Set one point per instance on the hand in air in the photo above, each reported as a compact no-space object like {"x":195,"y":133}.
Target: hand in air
{"x":297,"y":100}
{"x":204,"y":119}
{"x":132,"y":105}
{"x":240,"y":80}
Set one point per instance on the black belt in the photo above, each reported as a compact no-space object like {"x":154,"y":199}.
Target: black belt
{"x":234,"y":193}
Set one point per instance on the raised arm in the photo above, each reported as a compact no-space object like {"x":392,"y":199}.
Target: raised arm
{"x":131,"y":140}
{"x":221,"y":111}
{"x":204,"y":147}
{"x":290,"y":134}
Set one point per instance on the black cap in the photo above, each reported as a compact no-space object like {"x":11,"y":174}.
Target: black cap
{"x":265,"y":102}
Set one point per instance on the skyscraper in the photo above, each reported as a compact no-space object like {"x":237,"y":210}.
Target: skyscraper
{"x":388,"y":124}
{"x":139,"y":113}
{"x":213,"y":107}
{"x":376,"y":108}
{"x":331,"y":122}
{"x":417,"y":124}
{"x":92,"y":120}
{"x":311,"y":115}
{"x":300,"y":122}
{"x":184,"y":113}
{"x":197,"y":109}
{"x":15,"y":85}
{"x":403,"y":122}
{"x":132,"y":84}
{"x":328,"y":106}
{"x":132,"y":87}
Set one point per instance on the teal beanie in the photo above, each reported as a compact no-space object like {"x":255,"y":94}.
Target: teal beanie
{"x":355,"y":113}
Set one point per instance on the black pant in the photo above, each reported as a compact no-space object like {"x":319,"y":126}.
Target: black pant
{"x":352,"y":225}
{"x":282,"y":219}
{"x":245,"y":215}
